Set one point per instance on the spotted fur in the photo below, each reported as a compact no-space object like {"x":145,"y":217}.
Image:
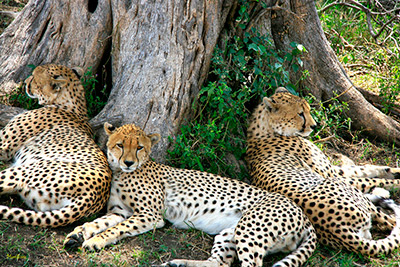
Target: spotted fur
{"x":58,"y":170}
{"x":248,"y":222}
{"x":281,"y":160}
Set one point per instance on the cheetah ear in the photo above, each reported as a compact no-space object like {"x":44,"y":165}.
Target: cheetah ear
{"x":108,"y":128}
{"x":78,"y":71}
{"x":281,"y":90}
{"x":58,"y":81}
{"x":270,"y":104}
{"x":154,"y":138}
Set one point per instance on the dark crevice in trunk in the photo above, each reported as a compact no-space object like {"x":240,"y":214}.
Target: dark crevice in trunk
{"x":92,"y":5}
{"x":43,"y":31}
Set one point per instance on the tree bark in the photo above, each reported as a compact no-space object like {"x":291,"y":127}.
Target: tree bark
{"x":161,"y":52}
{"x":72,"y":33}
{"x":7,"y":113}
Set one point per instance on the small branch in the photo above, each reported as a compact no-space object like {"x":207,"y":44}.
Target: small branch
{"x":323,"y":140}
{"x":357,"y":6}
{"x":10,"y":14}
{"x":358,"y":66}
{"x":339,"y":95}
{"x":346,"y":44}
{"x":337,"y":4}
{"x":385,"y":26}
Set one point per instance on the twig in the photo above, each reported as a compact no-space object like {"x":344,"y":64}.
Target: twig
{"x":357,"y":6}
{"x":358,"y":66}
{"x":10,"y":14}
{"x":359,"y":72}
{"x":336,"y":4}
{"x":384,"y":26}
{"x":339,"y":95}
{"x":324,"y":139}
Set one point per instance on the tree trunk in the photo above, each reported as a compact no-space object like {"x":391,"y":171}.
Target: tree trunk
{"x":161,"y":52}
{"x":72,"y":33}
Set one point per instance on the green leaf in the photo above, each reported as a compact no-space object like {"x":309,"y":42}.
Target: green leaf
{"x":295,"y":67}
{"x":254,"y":47}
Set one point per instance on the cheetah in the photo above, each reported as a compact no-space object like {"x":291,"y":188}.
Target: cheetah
{"x":281,"y":160}
{"x":248,"y":222}
{"x":58,"y":170}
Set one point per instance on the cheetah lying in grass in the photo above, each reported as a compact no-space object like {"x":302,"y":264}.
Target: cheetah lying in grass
{"x":58,"y":169}
{"x":280,"y":160}
{"x":248,"y":222}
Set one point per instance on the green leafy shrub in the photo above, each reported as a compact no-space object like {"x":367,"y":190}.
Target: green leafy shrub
{"x":19,"y":98}
{"x":242,"y":72}
{"x":96,"y":97}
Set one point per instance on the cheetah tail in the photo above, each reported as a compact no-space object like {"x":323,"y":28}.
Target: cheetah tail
{"x":53,"y":218}
{"x":376,"y":248}
{"x":302,"y":252}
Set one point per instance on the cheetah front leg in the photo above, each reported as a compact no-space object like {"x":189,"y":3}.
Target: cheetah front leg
{"x":223,"y":252}
{"x":89,"y":229}
{"x":134,"y":225}
{"x":116,"y":214}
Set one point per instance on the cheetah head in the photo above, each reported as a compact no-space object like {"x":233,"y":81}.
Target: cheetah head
{"x":55,"y":85}
{"x":128,"y":146}
{"x":288,"y":114}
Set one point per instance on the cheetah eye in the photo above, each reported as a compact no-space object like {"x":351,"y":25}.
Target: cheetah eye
{"x":139,"y":148}
{"x":120,"y":145}
{"x":301,"y":114}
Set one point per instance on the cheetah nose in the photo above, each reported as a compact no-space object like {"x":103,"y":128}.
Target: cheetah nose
{"x":314,"y":126}
{"x":128,"y":163}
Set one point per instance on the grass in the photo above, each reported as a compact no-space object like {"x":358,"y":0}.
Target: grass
{"x":22,"y":245}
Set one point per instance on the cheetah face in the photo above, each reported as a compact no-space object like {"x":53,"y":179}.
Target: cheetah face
{"x":289,"y":115}
{"x":50,"y":84}
{"x":128,"y":147}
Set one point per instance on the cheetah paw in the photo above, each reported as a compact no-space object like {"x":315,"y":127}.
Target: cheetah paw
{"x":381,"y":192}
{"x":95,"y":243}
{"x":73,"y":240}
